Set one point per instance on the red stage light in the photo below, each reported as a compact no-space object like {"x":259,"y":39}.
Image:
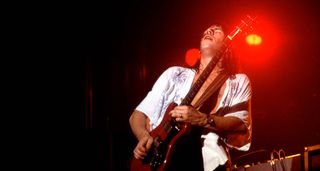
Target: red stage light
{"x":192,"y":56}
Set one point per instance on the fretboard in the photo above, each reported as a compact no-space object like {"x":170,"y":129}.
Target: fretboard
{"x":204,"y":75}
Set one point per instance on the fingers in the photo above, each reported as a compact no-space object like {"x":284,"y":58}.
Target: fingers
{"x":182,"y":108}
{"x":149,"y":144}
{"x":187,"y":114}
{"x":143,"y":147}
{"x":140,"y":152}
{"x":177,"y":115}
{"x":180,"y":113}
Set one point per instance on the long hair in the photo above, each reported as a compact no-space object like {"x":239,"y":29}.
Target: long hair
{"x":230,"y":61}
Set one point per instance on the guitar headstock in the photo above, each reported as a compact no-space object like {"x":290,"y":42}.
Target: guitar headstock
{"x":244,"y":26}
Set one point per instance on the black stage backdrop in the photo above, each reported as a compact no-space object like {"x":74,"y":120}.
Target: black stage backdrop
{"x":113,"y":52}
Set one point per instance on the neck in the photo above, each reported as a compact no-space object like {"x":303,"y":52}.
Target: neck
{"x":205,"y":60}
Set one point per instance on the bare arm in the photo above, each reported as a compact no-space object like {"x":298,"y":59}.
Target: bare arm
{"x":137,"y":123}
{"x":212,"y":122}
{"x":229,"y":124}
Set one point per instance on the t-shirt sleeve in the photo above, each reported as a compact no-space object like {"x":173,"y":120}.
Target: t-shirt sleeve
{"x":150,"y":105}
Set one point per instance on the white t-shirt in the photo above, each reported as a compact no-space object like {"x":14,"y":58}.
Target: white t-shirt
{"x":174,"y":84}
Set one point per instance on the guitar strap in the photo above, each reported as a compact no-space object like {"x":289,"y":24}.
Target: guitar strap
{"x":213,"y":88}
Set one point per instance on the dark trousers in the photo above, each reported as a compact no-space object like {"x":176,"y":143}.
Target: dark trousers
{"x":187,"y":155}
{"x":221,"y":168}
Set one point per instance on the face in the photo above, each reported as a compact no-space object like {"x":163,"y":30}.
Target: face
{"x":212,"y":38}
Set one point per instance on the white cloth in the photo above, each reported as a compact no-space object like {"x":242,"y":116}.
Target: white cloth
{"x":173,"y":85}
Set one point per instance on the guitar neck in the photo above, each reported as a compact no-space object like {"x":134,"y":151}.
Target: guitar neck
{"x":204,"y":75}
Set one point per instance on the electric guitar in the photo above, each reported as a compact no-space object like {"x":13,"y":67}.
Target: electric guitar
{"x":168,"y":133}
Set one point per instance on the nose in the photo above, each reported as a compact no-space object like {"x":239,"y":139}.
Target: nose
{"x":208,"y":31}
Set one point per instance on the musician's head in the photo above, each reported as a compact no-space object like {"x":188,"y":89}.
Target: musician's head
{"x":212,"y":40}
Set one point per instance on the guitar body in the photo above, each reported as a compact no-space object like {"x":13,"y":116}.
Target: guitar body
{"x":165,"y":137}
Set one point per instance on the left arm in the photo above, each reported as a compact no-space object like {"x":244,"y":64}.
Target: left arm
{"x":210,"y":121}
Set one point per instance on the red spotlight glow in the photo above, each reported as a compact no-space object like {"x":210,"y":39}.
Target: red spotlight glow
{"x":192,"y":56}
{"x":254,"y":39}
{"x":258,"y":48}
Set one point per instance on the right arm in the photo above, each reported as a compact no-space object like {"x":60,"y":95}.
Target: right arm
{"x":138,"y":119}
{"x":138,"y":126}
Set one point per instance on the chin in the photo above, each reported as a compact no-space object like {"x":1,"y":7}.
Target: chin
{"x":206,"y":47}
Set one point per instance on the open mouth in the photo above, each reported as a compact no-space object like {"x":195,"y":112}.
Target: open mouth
{"x":207,"y":37}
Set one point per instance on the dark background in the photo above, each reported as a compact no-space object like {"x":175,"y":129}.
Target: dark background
{"x":116,"y":50}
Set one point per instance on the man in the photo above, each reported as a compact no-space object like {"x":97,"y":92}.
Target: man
{"x":219,"y":123}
